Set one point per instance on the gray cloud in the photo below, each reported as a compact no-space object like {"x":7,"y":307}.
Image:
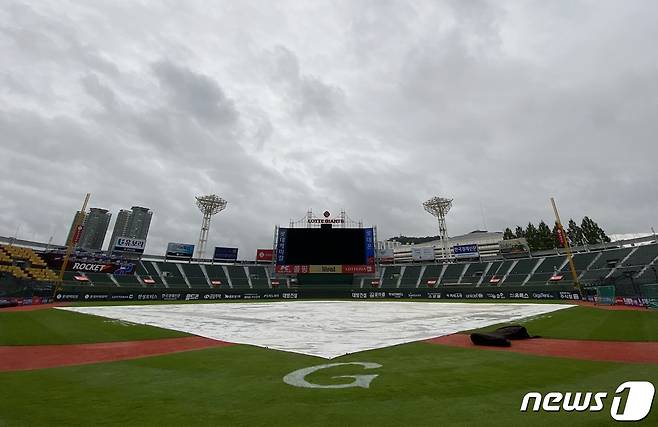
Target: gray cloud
{"x":370,"y":106}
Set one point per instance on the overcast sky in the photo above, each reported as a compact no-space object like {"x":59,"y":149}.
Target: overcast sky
{"x":371,"y":106}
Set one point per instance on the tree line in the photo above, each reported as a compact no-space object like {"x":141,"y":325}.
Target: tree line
{"x":543,"y":237}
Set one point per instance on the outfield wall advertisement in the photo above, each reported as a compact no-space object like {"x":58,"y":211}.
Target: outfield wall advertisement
{"x":170,"y":295}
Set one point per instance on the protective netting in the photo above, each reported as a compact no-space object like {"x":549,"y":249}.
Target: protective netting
{"x":650,"y":292}
{"x":605,"y":295}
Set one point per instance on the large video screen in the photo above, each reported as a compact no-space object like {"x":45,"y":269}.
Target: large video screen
{"x":317,"y":246}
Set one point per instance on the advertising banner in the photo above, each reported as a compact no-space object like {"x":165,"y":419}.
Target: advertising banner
{"x":126,"y":244}
{"x":281,"y":246}
{"x":325,"y":268}
{"x":422,"y":253}
{"x":466,"y":251}
{"x":265,"y":255}
{"x":182,"y":250}
{"x":222,"y":253}
{"x":94,"y":267}
{"x":370,"y":246}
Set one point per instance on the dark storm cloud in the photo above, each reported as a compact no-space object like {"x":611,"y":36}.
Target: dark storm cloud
{"x":368,"y":106}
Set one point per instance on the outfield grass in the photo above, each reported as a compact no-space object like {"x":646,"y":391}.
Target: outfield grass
{"x":418,"y":384}
{"x":588,"y":323}
{"x":53,"y":326}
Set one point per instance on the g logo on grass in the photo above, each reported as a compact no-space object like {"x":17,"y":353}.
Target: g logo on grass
{"x":298,"y":377}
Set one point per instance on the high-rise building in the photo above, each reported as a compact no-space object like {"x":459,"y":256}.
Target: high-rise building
{"x":120,"y":227}
{"x":140,"y":221}
{"x":94,"y":229}
{"x":133,"y":223}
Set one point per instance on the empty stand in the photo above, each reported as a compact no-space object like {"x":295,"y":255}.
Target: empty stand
{"x":238,"y":276}
{"x":217,"y":275}
{"x":473,"y":273}
{"x":195,"y":276}
{"x":519,"y":273}
{"x":431,"y":274}
{"x":390,"y":276}
{"x":258,"y":277}
{"x":410,"y":276}
{"x":452,"y":274}
{"x":547,"y":268}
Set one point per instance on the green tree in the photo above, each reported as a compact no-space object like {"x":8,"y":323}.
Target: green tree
{"x":544,"y":237}
{"x":592,"y":232}
{"x":532,"y":236}
{"x":507,"y":234}
{"x":575,"y":234}
{"x":519,"y":232}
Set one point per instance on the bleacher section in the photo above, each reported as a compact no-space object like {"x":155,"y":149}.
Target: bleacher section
{"x":258,"y":277}
{"x":473,"y":273}
{"x":24,"y":263}
{"x":452,"y":274}
{"x":431,"y":274}
{"x":548,"y":267}
{"x":127,"y":280}
{"x":603,"y":265}
{"x":147,"y":271}
{"x":195,"y":276}
{"x":216,"y":274}
{"x":172,"y":275}
{"x":238,"y":276}
{"x":100,"y":279}
{"x":410,"y":276}
{"x":642,"y":256}
{"x":390,"y":276}
{"x":520,"y":272}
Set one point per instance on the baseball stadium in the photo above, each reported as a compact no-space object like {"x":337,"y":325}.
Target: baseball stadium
{"x":322,"y":329}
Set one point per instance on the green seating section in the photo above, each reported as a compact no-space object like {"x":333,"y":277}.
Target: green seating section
{"x":127,"y":280}
{"x":100,"y":279}
{"x":216,"y":274}
{"x":473,"y":273}
{"x":520,"y":271}
{"x":238,"y":277}
{"x":452,"y":274}
{"x":195,"y":276}
{"x":642,"y":256}
{"x":390,"y":277}
{"x":147,"y":270}
{"x":258,"y":277}
{"x":547,"y":268}
{"x":432,"y":273}
{"x":410,"y":276}
{"x":172,"y":275}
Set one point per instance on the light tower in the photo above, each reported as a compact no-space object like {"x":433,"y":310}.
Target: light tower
{"x":208,"y":205}
{"x":439,"y":207}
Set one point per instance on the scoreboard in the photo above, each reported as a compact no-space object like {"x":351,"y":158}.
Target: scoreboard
{"x":325,"y":250}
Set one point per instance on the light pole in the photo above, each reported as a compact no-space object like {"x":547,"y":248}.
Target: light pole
{"x":208,"y":205}
{"x":439,"y":207}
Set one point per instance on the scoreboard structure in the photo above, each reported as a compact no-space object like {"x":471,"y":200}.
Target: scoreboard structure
{"x":325,"y":250}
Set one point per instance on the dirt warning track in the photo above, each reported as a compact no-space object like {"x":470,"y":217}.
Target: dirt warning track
{"x":605,"y":351}
{"x":20,"y":358}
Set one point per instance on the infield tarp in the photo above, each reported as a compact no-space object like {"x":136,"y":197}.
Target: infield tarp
{"x":326,"y":329}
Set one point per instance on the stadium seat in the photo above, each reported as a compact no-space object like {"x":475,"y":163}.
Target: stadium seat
{"x":410,"y":276}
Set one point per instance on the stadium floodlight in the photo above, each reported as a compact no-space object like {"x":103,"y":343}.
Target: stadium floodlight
{"x":208,"y":205}
{"x":439,"y":207}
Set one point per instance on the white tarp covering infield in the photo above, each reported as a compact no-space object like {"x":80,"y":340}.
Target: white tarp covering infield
{"x":326,"y":329}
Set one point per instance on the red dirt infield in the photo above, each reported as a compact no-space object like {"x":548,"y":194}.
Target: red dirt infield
{"x":34,"y":307}
{"x":605,"y":351}
{"x":21,"y":358}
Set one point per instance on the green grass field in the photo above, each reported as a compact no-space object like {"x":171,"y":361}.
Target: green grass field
{"x":418,"y":383}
